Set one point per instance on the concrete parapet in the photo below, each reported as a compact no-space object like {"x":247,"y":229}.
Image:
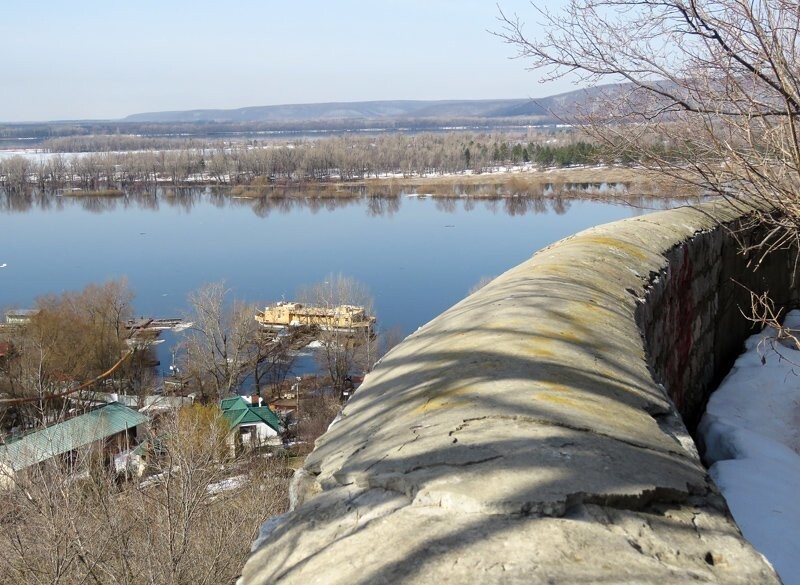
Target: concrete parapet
{"x":525,"y":435}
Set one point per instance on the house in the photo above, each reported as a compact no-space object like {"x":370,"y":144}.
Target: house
{"x":251,"y":425}
{"x":151,"y":403}
{"x":112,"y":428}
{"x":20,"y":316}
{"x":284,"y":406}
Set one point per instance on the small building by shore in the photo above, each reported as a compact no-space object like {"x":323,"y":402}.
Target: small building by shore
{"x":20,"y":316}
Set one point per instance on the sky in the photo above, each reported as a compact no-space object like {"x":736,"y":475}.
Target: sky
{"x":105,"y":59}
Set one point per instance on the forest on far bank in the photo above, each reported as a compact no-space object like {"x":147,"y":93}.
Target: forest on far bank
{"x":124,"y":161}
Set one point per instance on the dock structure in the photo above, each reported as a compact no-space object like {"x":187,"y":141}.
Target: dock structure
{"x":165,"y":323}
{"x":150,"y":327}
{"x":339,"y":318}
{"x":140,"y":324}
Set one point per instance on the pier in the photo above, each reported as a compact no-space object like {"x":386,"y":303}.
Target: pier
{"x":148,"y":328}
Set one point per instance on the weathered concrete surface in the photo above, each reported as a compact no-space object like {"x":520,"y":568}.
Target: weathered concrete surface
{"x":522,"y":437}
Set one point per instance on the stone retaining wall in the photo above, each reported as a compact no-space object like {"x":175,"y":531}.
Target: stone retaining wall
{"x":523,"y":436}
{"x":692,"y":317}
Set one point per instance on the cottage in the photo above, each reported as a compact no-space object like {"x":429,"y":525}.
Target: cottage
{"x":251,"y":425}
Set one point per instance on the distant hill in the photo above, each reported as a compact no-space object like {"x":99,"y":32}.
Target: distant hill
{"x":374,"y":110}
{"x":330,"y":117}
{"x":549,"y":108}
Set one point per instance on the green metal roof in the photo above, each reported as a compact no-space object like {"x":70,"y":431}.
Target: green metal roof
{"x":235,"y":403}
{"x":251,"y":416}
{"x":72,"y":434}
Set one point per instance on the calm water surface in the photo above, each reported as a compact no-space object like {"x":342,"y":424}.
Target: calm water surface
{"x":418,"y":256}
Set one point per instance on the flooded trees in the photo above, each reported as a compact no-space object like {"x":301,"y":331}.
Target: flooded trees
{"x":331,"y":159}
{"x":16,"y":171}
{"x":220,"y":347}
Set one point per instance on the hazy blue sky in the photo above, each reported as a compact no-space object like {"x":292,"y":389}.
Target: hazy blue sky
{"x":109,"y":58}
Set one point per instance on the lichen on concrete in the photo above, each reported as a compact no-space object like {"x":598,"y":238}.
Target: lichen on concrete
{"x":528,"y":435}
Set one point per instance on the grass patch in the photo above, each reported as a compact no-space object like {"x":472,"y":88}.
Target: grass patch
{"x":573,"y":183}
{"x":329,"y":190}
{"x":295,"y":462}
{"x":249,"y":192}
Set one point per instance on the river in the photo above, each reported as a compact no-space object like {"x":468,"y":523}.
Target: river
{"x":417,"y":255}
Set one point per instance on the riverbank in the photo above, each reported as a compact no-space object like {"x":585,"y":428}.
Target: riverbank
{"x":532,"y":181}
{"x":447,"y":165}
{"x":592,"y":183}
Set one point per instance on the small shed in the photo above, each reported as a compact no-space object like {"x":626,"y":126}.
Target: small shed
{"x":284,"y":405}
{"x":113,"y":428}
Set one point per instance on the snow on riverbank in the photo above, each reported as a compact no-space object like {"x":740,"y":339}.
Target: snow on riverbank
{"x":751,"y":431}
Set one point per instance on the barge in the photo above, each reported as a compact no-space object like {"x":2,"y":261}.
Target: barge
{"x":348,"y":318}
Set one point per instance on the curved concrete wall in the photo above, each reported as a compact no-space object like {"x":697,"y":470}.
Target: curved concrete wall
{"x":525,"y":436}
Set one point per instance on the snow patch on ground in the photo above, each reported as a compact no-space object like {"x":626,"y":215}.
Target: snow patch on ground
{"x":125,"y":460}
{"x":231,"y":483}
{"x":751,"y":431}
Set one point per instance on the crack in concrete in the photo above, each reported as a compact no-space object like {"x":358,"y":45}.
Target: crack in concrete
{"x":644,"y":501}
{"x":578,"y":428}
{"x":416,"y":436}
{"x":452,"y":464}
{"x":373,"y":464}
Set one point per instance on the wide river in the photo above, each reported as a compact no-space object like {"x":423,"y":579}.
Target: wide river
{"x":418,"y":256}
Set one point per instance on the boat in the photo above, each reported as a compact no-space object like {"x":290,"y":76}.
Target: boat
{"x":348,"y":318}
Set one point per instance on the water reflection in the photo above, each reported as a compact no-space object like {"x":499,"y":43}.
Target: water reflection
{"x":418,"y":255}
{"x":383,"y":206}
{"x":553,"y":200}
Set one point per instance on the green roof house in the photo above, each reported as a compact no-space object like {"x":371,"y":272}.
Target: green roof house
{"x":113,"y":424}
{"x":234,"y":403}
{"x":251,"y":425}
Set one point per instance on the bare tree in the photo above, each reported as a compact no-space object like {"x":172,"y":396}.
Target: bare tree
{"x":483,"y":281}
{"x":221,"y":348}
{"x":71,"y":338}
{"x":347,"y":339}
{"x":317,"y":413}
{"x":711,"y":91}
{"x":190,"y":521}
{"x":274,"y":359}
{"x":15,"y":171}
